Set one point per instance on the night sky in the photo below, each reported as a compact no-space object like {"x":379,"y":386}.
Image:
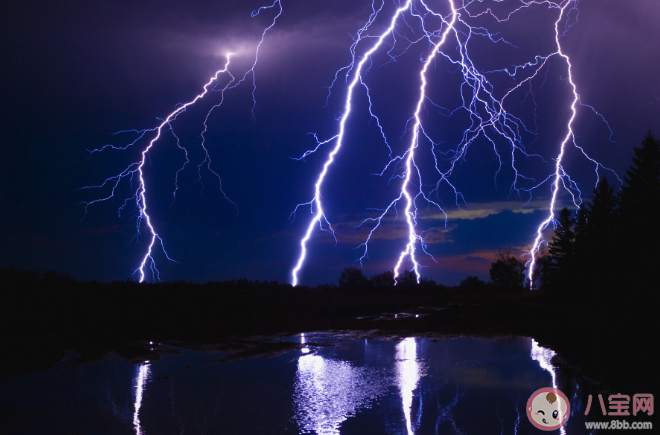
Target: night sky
{"x":73,"y":73}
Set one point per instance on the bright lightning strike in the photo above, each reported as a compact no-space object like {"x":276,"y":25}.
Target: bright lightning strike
{"x":136,"y":169}
{"x":487,"y":113}
{"x":560,"y":176}
{"x":447,"y":38}
{"x":319,"y":216}
{"x":413,"y":237}
{"x":141,"y":192}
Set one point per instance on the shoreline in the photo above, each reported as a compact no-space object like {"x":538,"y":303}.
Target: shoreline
{"x":94,"y":324}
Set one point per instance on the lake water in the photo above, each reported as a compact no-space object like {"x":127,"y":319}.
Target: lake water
{"x":347,"y":386}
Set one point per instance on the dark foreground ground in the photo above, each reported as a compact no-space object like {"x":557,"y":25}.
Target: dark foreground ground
{"x":611,"y":342}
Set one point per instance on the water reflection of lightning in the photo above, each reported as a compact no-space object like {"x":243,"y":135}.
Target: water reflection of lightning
{"x":327,"y":391}
{"x":135,"y":169}
{"x":516,"y":425}
{"x":140,"y":384}
{"x":544,"y":357}
{"x":408,"y":374}
{"x":446,"y":413}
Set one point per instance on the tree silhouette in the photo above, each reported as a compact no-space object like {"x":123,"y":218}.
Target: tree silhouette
{"x":472,"y":284}
{"x":561,"y":250}
{"x":581,"y":229}
{"x":597,"y":224}
{"x":353,"y":278}
{"x":614,"y":251}
{"x":640,"y":193}
{"x":508,"y":272}
{"x":562,"y":244}
{"x":545,"y":270}
{"x":603,"y":212}
{"x":408,"y":278}
{"x":385,"y":279}
{"x":640,"y":215}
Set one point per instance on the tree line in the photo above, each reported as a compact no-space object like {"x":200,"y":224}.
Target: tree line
{"x":606,"y":246}
{"x":609,"y":246}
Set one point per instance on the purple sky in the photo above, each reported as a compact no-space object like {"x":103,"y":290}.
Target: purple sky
{"x":75,"y":72}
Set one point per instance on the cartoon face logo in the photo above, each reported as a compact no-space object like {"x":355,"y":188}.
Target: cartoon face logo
{"x":548,"y":409}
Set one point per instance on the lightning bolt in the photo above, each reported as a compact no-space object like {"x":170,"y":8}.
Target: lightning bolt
{"x":449,"y":39}
{"x":561,"y":178}
{"x":413,"y":237}
{"x":319,"y":215}
{"x":486,"y":111}
{"x":489,"y":119}
{"x":559,"y":174}
{"x":136,"y":169}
